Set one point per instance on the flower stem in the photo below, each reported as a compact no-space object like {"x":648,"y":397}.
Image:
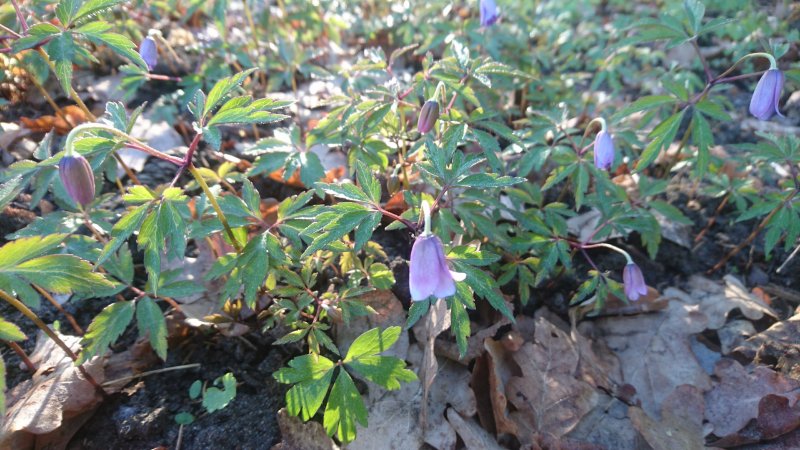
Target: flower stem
{"x":132,"y":142}
{"x":215,"y":205}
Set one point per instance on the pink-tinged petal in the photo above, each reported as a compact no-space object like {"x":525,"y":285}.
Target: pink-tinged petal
{"x":603,"y":151}
{"x":423,"y":268}
{"x":767,"y":95}
{"x":633,"y":280}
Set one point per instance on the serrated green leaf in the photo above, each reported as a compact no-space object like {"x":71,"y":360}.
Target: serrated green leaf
{"x":224,"y":87}
{"x":10,"y":331}
{"x":105,"y":329}
{"x":662,"y":136}
{"x":151,"y":322}
{"x":215,"y":398}
{"x":345,"y":408}
{"x":372,"y":342}
{"x":311,"y":376}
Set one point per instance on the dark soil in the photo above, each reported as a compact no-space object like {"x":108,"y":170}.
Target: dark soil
{"x":143,"y":415}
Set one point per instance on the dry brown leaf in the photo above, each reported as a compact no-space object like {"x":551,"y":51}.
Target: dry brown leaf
{"x":779,"y":344}
{"x":474,"y":437}
{"x":608,"y":426}
{"x":735,"y":399}
{"x":717,"y":301}
{"x":776,"y":417}
{"x":681,"y":424}
{"x":501,"y":367}
{"x":51,"y":402}
{"x":654,"y":351}
{"x":74,"y":116}
{"x":299,"y":435}
{"x":550,"y":400}
{"x":437,"y":321}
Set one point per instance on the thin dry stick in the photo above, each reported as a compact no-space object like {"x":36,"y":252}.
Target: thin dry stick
{"x":151,"y":372}
{"x":752,"y":236}
{"x":60,"y":309}
{"x":21,"y":353}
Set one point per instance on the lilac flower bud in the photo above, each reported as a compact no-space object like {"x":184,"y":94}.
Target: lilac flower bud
{"x":603,"y":151}
{"x":428,"y":116}
{"x":149,"y":52}
{"x":634,"y":281}
{"x":429,"y":274}
{"x":488,"y":13}
{"x":78,"y":178}
{"x":764,"y":102}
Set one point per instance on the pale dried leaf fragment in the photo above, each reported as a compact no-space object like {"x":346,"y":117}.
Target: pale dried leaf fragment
{"x":716,"y":301}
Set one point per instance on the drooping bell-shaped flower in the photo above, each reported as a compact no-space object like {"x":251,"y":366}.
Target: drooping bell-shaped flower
{"x":429,"y":274}
{"x":633,"y":280}
{"x":78,"y":178}
{"x":488,"y":12}
{"x":428,"y":116}
{"x":149,"y":52}
{"x":764,"y":103}
{"x":603,"y":150}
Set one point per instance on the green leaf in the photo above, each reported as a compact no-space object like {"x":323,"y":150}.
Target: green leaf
{"x":372,"y":342}
{"x":647,"y":102}
{"x":10,"y":331}
{"x":60,"y":274}
{"x":704,"y":139}
{"x":459,"y":319}
{"x":416,"y":311}
{"x":368,"y":182}
{"x":62,"y":51}
{"x":105,"y":329}
{"x":215,"y":399}
{"x":66,"y":10}
{"x":243,"y":110}
{"x":662,"y":136}
{"x":151,"y":321}
{"x":36,"y":34}
{"x":93,"y":7}
{"x":311,"y":376}
{"x":195,"y":389}
{"x":224,"y":87}
{"x":345,"y":408}
{"x":122,"y":230}
{"x":97,"y":33}
{"x":17,"y":251}
{"x":345,"y":190}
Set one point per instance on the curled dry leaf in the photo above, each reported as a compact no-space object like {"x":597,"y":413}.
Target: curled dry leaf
{"x":474,"y":437}
{"x":57,"y":398}
{"x":549,"y":398}
{"x":779,"y":344}
{"x":735,"y":399}
{"x":776,"y":417}
{"x":717,"y":301}
{"x":72,"y":117}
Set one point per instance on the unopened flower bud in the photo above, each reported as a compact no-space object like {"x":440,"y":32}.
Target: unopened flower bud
{"x":603,"y":150}
{"x":78,"y":178}
{"x":633,"y":281}
{"x":428,"y":116}
{"x":488,"y":13}
{"x":767,"y":95}
{"x":149,"y":52}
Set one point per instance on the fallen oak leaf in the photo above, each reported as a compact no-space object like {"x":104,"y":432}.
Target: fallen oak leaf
{"x":72,"y":117}
{"x":549,"y":398}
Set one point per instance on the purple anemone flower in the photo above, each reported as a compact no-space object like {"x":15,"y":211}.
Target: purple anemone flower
{"x":427,"y":116}
{"x":603,"y":150}
{"x":633,"y":280}
{"x":764,"y":102}
{"x":488,"y":13}
{"x":78,"y":178}
{"x":149,"y":52}
{"x":429,"y":274}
